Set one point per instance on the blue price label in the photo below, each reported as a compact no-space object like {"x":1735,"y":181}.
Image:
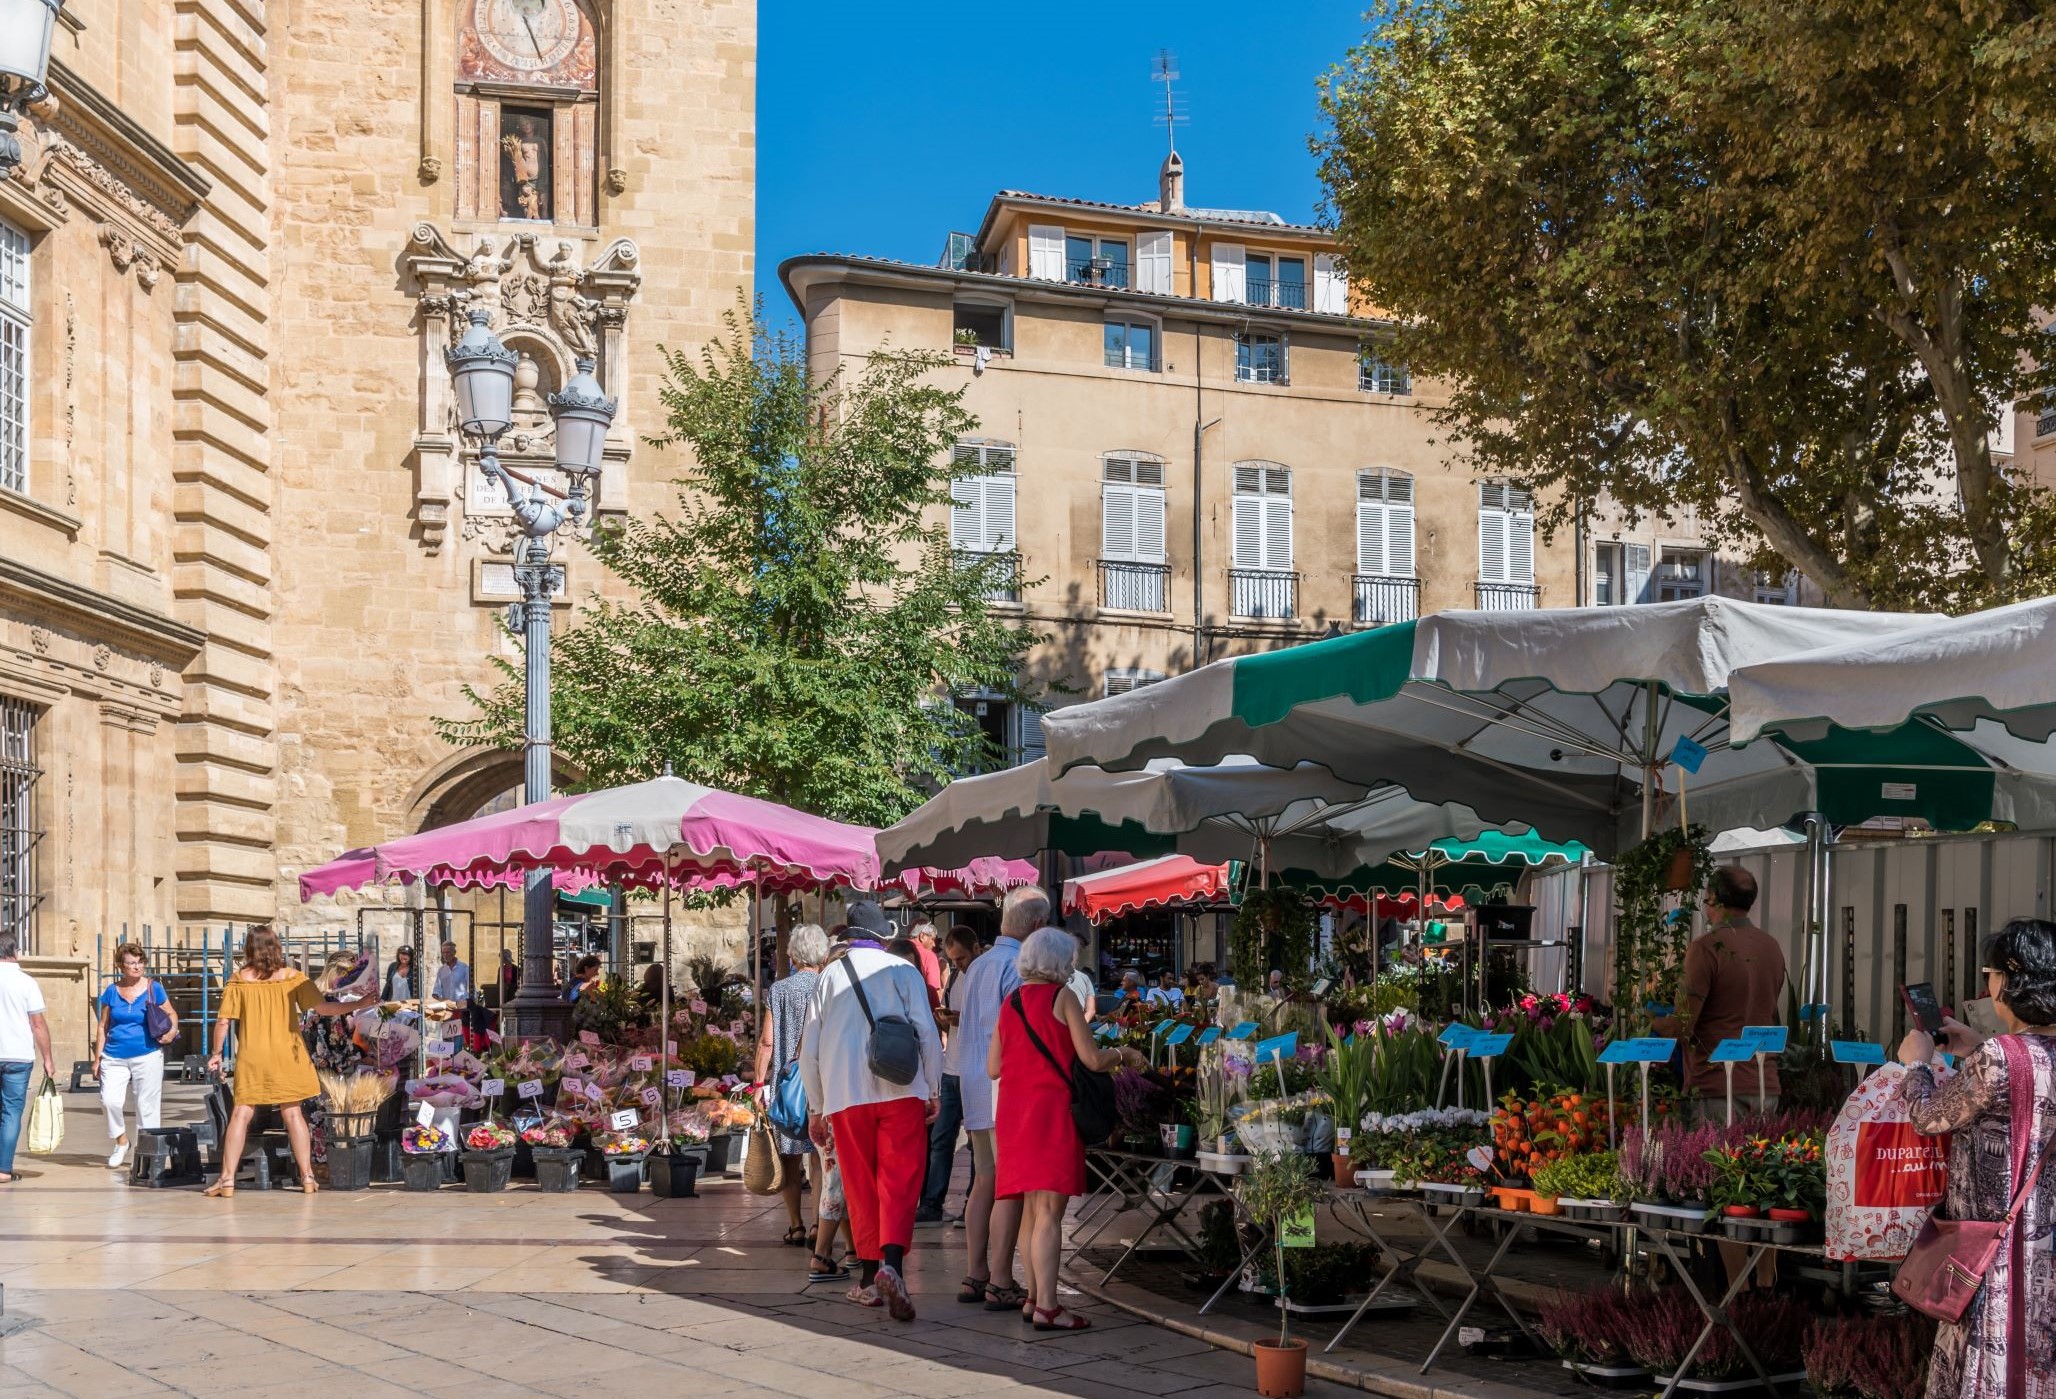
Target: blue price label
{"x":1456,"y":1035}
{"x":1653,"y":1051}
{"x":1158,"y":1029}
{"x":1688,"y":754}
{"x":1765,"y":1039}
{"x":1856,"y":1052}
{"x":1243,"y":1031}
{"x":1209,"y":1034}
{"x":1179,"y":1035}
{"x":1734,"y":1051}
{"x":1619,"y":1052}
{"x":1286,"y":1045}
{"x":1107,"y":1030}
{"x":1487,"y":1046}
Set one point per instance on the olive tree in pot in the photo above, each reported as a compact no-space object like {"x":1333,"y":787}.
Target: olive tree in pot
{"x":1278,"y":1188}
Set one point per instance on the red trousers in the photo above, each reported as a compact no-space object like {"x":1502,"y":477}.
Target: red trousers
{"x":882,"y":1151}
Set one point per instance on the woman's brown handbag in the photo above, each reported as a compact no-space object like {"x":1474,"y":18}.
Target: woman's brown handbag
{"x":763,"y":1169}
{"x":1946,"y":1266}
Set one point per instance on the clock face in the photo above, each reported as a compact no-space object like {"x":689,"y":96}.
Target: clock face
{"x":528,"y":35}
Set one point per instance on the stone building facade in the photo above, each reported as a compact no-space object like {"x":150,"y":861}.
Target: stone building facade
{"x":245,"y":561}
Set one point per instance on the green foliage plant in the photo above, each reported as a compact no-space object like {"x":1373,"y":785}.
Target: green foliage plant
{"x":1652,"y":922}
{"x":1277,"y":1186}
{"x":1274,"y":929}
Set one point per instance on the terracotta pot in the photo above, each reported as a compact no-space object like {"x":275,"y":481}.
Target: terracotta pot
{"x":1544,"y":1204}
{"x":1784,"y":1216}
{"x":1677,"y":876}
{"x":1281,"y":1370}
{"x":1343,"y":1175}
{"x":1740,"y":1211}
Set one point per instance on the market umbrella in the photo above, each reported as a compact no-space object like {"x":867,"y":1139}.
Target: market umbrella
{"x":1447,"y":867}
{"x":1166,"y":882}
{"x":1560,"y":718}
{"x":983,"y":878}
{"x":1302,"y":817}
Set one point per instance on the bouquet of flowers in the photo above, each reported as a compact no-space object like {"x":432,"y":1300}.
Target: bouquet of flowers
{"x":685,"y":1129}
{"x":622,"y":1143}
{"x":423,"y":1140}
{"x":554,"y":1133}
{"x":488,"y":1136}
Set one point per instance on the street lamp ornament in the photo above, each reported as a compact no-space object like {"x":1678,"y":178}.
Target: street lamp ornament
{"x":26,"y":28}
{"x":482,"y":372}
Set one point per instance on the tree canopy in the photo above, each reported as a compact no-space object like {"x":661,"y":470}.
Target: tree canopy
{"x":1781,"y":264}
{"x":798,"y":621}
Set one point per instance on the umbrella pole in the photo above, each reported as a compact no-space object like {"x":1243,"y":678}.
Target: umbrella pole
{"x":757,"y":943}
{"x":1649,"y":735}
{"x":664,"y":1004}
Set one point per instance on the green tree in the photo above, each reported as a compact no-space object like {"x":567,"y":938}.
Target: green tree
{"x":799,"y":619}
{"x":1777,"y":263}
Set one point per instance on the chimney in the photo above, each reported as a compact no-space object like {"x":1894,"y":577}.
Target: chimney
{"x":1171,"y":185}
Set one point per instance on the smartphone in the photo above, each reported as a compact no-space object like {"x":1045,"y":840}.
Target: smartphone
{"x":1922,"y":1006}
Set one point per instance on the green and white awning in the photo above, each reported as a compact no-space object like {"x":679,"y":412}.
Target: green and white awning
{"x":1559,"y":718}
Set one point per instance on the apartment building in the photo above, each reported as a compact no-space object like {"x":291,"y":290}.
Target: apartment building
{"x":1191,"y":443}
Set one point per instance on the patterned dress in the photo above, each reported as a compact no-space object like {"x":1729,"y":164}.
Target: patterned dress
{"x":1970,"y":1359}
{"x":787,"y":1001}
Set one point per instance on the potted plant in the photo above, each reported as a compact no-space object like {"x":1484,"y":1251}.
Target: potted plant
{"x":1739,"y":1180}
{"x":1869,"y":1357}
{"x":1775,"y":1325}
{"x":623,"y":1152}
{"x":421,"y":1158}
{"x":1589,"y":1332}
{"x":556,"y":1160}
{"x":675,"y":1171}
{"x":488,"y":1158}
{"x":1345,"y":1076}
{"x":1278,"y":1188}
{"x":1649,"y":939}
{"x":1585,"y":1187}
{"x":965,"y":337}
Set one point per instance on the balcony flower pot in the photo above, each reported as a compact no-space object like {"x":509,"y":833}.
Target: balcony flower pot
{"x":488,"y":1172}
{"x":1280,"y":1368}
{"x":624,"y":1174}
{"x":556,"y":1168}
{"x":421,"y":1171}
{"x":674,"y":1174}
{"x":349,"y":1163}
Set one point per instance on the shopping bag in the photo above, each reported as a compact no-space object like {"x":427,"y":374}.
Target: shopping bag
{"x":1884,"y":1178}
{"x":763,"y":1170}
{"x":46,"y":1120}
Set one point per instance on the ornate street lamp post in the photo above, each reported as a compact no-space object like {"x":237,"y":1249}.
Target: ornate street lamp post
{"x":26,"y":27}
{"x":482,"y":370}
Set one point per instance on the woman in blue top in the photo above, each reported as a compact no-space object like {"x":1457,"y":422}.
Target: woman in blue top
{"x":126,"y":1052}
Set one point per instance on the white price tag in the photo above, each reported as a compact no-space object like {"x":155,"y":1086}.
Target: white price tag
{"x":492,"y":1036}
{"x":530,"y":1088}
{"x":575,"y":1060}
{"x":625,"y":1121}
{"x":574,"y":1086}
{"x":1342,"y":1136}
{"x":652,"y":1096}
{"x":424,"y":1113}
{"x":493,"y":1087}
{"x":678,"y":1078}
{"x":639,"y":1063}
{"x":438,"y":1049}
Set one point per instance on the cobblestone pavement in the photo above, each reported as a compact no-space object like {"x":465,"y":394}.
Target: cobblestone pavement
{"x":111,"y":1292}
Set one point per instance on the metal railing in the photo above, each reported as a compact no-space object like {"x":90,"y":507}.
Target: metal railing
{"x":1002,"y":570}
{"x":1382,"y":598}
{"x":1134,"y":587}
{"x":1082,"y":270}
{"x":1508,"y":597}
{"x":1262,"y":594}
{"x":2045,"y":422}
{"x":1268,"y":291}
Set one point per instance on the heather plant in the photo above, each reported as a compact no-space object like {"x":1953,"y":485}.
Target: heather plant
{"x":1869,"y":1357}
{"x":1590,"y":1328}
{"x":1666,"y":1326}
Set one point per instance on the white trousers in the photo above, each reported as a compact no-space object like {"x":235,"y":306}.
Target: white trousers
{"x":147,"y":1070}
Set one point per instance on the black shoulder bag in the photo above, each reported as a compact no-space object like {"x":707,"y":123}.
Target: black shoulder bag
{"x":895,"y":1045}
{"x":1092,"y":1092}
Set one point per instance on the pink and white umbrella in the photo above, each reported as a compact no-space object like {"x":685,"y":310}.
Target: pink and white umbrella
{"x":666,"y":831}
{"x":353,"y":869}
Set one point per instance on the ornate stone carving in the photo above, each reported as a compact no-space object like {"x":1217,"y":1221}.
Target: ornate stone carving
{"x":431,"y":169}
{"x":617,"y":181}
{"x":102,"y":657}
{"x":156,"y":676}
{"x":39,"y":640}
{"x":70,"y":155}
{"x":127,"y":252}
{"x":524,"y":297}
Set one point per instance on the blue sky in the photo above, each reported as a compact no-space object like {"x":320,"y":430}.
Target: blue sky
{"x":882,"y":126}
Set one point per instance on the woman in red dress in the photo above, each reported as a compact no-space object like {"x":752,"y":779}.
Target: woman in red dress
{"x":1041,"y":1161}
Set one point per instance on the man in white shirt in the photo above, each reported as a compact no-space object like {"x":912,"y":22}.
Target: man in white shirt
{"x":881,"y":1128}
{"x":24,"y":1038}
{"x":991,"y":1227}
{"x":960,"y":949}
{"x":1166,"y":992}
{"x":452,"y":978}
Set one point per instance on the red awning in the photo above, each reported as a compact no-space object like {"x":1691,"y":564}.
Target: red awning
{"x":1172,"y":880}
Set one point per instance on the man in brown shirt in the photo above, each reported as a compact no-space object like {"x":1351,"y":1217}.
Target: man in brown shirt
{"x":1734,"y":976}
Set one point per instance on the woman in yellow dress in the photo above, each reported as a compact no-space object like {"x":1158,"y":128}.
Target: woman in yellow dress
{"x":265,"y":999}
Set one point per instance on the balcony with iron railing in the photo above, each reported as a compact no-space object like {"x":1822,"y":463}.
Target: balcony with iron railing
{"x":1130,"y":586}
{"x":1002,"y":571}
{"x":1097,"y":272}
{"x":1384,"y":598}
{"x":1508,"y":597}
{"x":1263,"y":594}
{"x":1268,"y":291}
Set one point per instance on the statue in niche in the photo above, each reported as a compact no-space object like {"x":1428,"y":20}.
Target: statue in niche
{"x":525,"y":164}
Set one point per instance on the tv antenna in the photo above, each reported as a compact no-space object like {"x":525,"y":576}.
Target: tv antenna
{"x":1164,"y":69}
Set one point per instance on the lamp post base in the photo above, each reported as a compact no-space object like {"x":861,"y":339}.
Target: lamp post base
{"x":526,"y":1019}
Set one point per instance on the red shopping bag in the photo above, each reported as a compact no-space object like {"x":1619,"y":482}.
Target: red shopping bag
{"x":1884,"y":1178}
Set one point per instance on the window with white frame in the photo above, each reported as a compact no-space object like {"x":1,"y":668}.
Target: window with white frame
{"x":1777,"y":589}
{"x":1121,"y":679}
{"x":1681,"y":574}
{"x":1133,"y":572}
{"x":1131,"y":343}
{"x":1096,"y":261}
{"x":986,"y":323}
{"x":1259,"y":358}
{"x":14,"y":359}
{"x":1374,"y":375}
{"x":981,"y":519}
{"x":1620,"y":573}
{"x":1506,"y":534}
{"x":1384,"y":523}
{"x":1260,"y":572}
{"x":20,"y":832}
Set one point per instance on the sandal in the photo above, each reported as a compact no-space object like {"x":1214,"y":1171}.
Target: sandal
{"x":220,"y":1190}
{"x":1048,"y":1320}
{"x":308,"y":1187}
{"x":864,"y":1296}
{"x":972,"y":1290}
{"x":826,"y":1269}
{"x":797,"y":1237}
{"x":1003,"y":1297}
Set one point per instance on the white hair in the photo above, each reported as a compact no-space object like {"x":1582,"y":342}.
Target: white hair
{"x":1049,"y":954}
{"x":807,"y":945}
{"x":1023,"y":911}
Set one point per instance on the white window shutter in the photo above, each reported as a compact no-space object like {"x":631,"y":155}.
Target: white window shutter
{"x":1331,"y":288}
{"x":1249,"y":531}
{"x":1370,"y":537}
{"x":1028,"y":733}
{"x":1153,"y":262}
{"x":967,"y":513}
{"x":1046,"y":252}
{"x":999,"y":513}
{"x":1230,"y":274}
{"x":1520,"y":547}
{"x":1399,"y":540}
{"x":1278,"y":533}
{"x":1117,"y":522}
{"x":1636,"y":567}
{"x":1149,"y":526}
{"x":1491,"y":545}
